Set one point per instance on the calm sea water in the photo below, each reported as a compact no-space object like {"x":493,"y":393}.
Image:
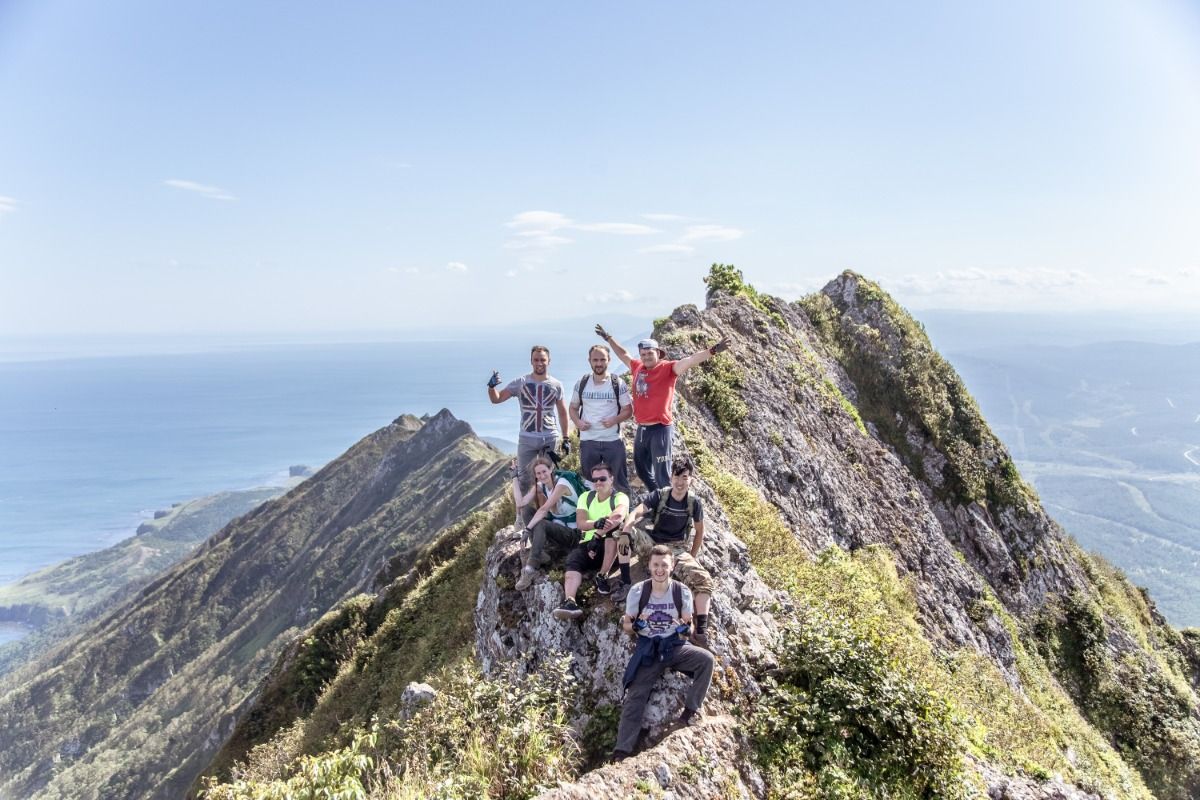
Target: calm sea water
{"x":91,"y":447}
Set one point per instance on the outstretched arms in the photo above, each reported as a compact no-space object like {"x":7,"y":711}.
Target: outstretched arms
{"x":700,"y":356}
{"x":617,"y":349}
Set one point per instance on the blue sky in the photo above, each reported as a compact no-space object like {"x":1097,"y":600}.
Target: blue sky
{"x":203,"y":167}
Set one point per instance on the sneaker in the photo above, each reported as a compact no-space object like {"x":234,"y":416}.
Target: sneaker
{"x":618,"y":755}
{"x":527,"y":575}
{"x":701,"y":640}
{"x":619,"y":591}
{"x":569,"y":610}
{"x":601,"y":583}
{"x":691,"y":719}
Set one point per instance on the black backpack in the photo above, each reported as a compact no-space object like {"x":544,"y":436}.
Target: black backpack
{"x":664,"y":495}
{"x":676,"y":595}
{"x":616,"y":384}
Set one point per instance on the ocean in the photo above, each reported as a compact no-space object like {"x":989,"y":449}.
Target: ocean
{"x":90,"y":447}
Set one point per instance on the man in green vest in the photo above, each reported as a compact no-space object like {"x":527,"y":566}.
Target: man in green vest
{"x":598,"y":517}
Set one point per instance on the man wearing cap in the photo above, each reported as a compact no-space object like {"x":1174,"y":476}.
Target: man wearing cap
{"x":541,"y":397}
{"x":654,"y":378}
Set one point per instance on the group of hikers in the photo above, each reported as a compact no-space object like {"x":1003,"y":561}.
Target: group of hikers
{"x":588,"y":515}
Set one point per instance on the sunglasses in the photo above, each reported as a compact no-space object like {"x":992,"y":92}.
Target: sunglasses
{"x":601,"y":479}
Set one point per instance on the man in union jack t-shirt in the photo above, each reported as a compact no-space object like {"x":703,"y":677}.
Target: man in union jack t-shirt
{"x":543,"y":411}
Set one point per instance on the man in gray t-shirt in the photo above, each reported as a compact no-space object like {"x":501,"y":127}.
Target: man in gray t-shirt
{"x":656,"y":620}
{"x":541,"y":398}
{"x":599,"y":404}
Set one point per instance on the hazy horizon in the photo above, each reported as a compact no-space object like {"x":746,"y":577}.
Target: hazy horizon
{"x":375,"y":166}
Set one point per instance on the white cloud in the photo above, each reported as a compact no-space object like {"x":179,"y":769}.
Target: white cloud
{"x":619,"y":228}
{"x":536,"y":239}
{"x":668,"y":248}
{"x":793,"y":289}
{"x":618,"y":296}
{"x":974,"y":279}
{"x":412,"y":270}
{"x":7,"y":204}
{"x":1152,"y":277}
{"x":456,"y":266}
{"x":710,"y":233}
{"x":211,"y":192}
{"x":539,"y":221}
{"x":512,"y":273}
{"x":547,"y":229}
{"x":665,"y":217}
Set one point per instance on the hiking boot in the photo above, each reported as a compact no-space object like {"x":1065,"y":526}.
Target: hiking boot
{"x":527,"y":575}
{"x":701,"y":640}
{"x":619,"y":591}
{"x":618,"y":755}
{"x":692,"y":719}
{"x":569,"y":610}
{"x":601,"y":584}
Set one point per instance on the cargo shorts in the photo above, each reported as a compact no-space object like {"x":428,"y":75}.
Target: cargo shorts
{"x":686,"y":568}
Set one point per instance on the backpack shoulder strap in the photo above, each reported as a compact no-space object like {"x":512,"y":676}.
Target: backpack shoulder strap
{"x":644,"y":597}
{"x":664,"y":496}
{"x":579,"y":389}
{"x":677,"y":595}
{"x":616,"y":382}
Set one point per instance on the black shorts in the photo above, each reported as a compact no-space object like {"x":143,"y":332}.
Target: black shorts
{"x":587,"y":556}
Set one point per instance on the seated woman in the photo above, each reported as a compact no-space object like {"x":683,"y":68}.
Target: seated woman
{"x":553,"y":520}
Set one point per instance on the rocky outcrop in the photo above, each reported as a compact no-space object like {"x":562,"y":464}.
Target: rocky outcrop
{"x":703,"y":761}
{"x":514,"y":626}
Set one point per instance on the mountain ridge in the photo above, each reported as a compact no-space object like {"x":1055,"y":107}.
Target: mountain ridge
{"x":229,"y":606}
{"x":895,"y":614}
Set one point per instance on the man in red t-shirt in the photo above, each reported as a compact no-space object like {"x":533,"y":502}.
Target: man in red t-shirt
{"x":653,"y":397}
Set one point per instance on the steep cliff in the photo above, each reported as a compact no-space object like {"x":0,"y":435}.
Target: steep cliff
{"x":138,"y":703}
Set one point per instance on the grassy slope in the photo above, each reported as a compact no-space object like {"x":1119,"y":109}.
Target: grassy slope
{"x":158,"y":676}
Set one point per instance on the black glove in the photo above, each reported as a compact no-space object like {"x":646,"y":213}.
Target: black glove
{"x":603,"y":334}
{"x":566,"y":447}
{"x":494,"y":381}
{"x":720,"y":346}
{"x":601,"y":524}
{"x":513,"y":471}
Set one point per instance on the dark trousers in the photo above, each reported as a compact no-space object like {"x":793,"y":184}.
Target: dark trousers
{"x":611,"y":453}
{"x":547,"y":531}
{"x":685,"y":658}
{"x":652,"y":455}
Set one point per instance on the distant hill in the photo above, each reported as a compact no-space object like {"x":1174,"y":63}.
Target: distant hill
{"x":52,"y":600}
{"x":139,"y":700}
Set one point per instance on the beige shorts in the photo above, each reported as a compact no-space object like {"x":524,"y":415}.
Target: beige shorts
{"x":686,"y":570}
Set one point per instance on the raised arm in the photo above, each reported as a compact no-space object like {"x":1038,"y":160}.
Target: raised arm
{"x":493,"y":395}
{"x":619,"y":351}
{"x":700,"y":356}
